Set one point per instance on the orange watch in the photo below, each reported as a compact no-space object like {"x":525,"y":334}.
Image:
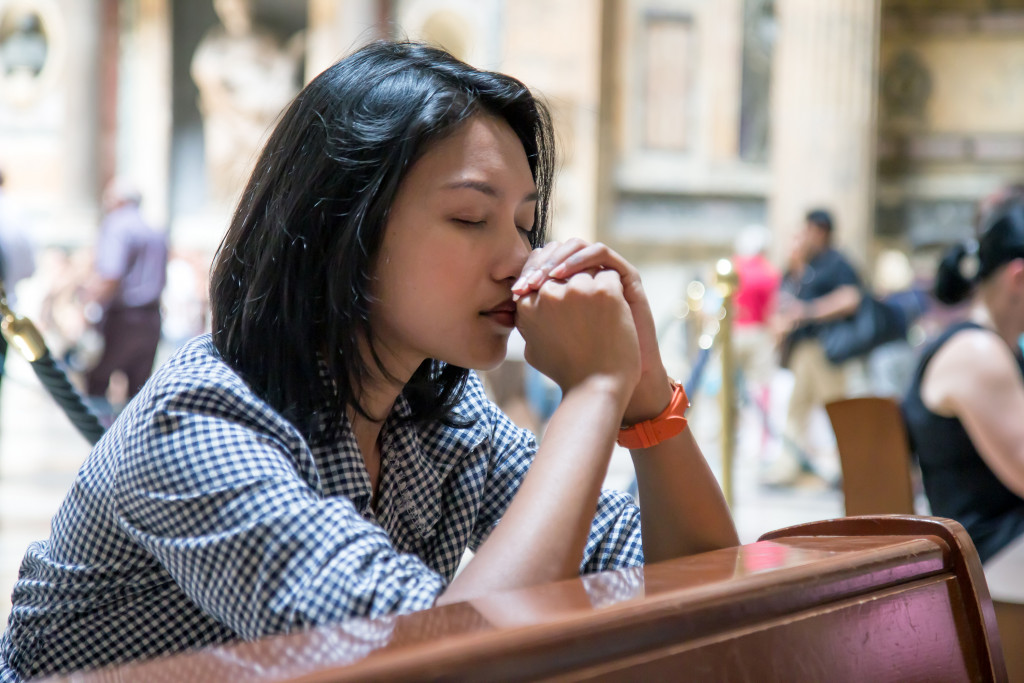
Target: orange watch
{"x":666,"y":425}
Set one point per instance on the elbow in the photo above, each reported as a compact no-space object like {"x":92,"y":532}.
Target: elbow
{"x":849,"y":301}
{"x":726,"y":537}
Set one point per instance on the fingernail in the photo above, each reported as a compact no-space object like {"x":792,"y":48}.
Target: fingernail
{"x":559,"y":270}
{"x":515,"y":297}
{"x":536,"y":277}
{"x":520,"y":283}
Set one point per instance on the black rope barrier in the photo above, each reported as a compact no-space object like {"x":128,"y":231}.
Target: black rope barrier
{"x":68,"y":398}
{"x":21,"y":334}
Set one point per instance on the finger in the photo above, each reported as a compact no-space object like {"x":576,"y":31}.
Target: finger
{"x":536,"y":270}
{"x":533,"y":262}
{"x":609,"y":278}
{"x":539,"y":265}
{"x":597,"y":255}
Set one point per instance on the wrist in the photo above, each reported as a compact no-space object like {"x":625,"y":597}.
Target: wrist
{"x":650,"y":397}
{"x":667,"y":424}
{"x":807,"y":312}
{"x":610,"y":386}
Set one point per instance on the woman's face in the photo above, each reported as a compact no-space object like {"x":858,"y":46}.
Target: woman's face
{"x":455,"y":242}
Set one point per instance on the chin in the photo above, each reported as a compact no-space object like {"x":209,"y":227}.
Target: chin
{"x":489,"y":365}
{"x":484,"y":361}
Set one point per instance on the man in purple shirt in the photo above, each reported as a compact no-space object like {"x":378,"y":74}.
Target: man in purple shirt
{"x":131,"y":269}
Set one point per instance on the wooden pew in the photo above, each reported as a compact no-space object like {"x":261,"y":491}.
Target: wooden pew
{"x":878,"y":476}
{"x":886,"y":598}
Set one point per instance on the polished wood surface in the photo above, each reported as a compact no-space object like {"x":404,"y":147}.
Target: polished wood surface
{"x":1004,"y":573}
{"x":875,"y":454}
{"x":877,"y":478}
{"x":879,"y":599}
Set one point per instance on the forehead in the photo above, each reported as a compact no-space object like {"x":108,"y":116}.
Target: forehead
{"x":484,"y":147}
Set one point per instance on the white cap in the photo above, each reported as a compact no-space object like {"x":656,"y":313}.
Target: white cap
{"x":752,"y":240}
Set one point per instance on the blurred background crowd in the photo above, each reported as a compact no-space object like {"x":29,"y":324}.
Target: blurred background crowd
{"x":771,"y":132}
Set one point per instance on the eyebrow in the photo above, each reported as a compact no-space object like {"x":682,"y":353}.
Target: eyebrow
{"x":485,"y":188}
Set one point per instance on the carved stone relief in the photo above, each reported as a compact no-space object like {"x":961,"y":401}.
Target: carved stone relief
{"x":905,"y":88}
{"x":31,"y":50}
{"x":245,"y":76}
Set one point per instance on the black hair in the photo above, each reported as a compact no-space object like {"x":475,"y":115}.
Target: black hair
{"x":821,"y":218}
{"x":291,"y":284}
{"x":1001,"y":240}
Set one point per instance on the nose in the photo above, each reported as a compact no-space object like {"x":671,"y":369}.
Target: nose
{"x":514,"y":252}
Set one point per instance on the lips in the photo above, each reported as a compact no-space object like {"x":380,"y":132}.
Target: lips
{"x":504,"y":313}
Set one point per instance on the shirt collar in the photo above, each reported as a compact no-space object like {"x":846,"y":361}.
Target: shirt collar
{"x":416,"y":461}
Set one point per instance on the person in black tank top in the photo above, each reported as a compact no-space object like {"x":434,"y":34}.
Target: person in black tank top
{"x":965,"y":406}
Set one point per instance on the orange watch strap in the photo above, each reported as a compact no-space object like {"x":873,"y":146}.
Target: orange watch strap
{"x":667,"y":424}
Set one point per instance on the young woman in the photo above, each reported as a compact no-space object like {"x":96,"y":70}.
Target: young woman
{"x":965,"y":405}
{"x":326,"y":453}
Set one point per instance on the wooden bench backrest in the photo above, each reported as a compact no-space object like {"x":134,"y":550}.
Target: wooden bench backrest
{"x":875,"y":455}
{"x":873,"y":599}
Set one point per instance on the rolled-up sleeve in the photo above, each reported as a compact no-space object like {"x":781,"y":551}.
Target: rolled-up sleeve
{"x":614,"y":539}
{"x":223,"y":508}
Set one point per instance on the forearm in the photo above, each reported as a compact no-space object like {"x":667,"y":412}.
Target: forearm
{"x":543,"y":533}
{"x":103,"y":290}
{"x":840,"y":303}
{"x":682,"y":509}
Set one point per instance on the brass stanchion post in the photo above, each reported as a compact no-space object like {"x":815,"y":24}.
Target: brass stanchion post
{"x":726,"y":281}
{"x":19,"y":332}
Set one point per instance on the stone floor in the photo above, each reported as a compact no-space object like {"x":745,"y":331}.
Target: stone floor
{"x":40,"y":452}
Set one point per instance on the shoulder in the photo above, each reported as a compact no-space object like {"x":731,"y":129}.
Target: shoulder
{"x":486,"y":423}
{"x":197,"y":383}
{"x":195,"y":422}
{"x":972,"y":350}
{"x":198,"y":363}
{"x":833,"y":258}
{"x":836,"y":268}
{"x":972,"y":361}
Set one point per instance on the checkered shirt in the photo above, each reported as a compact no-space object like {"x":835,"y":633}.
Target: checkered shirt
{"x":204,"y":516}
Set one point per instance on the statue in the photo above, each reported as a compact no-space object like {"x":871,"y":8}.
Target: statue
{"x":24,"y":51}
{"x":245,"y":78}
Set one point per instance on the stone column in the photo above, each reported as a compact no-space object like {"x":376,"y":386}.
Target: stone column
{"x":144,"y":93}
{"x":559,"y":57}
{"x":823,"y":123}
{"x":723,"y":51}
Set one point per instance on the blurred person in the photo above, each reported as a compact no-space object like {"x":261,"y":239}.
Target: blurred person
{"x":69,"y":336}
{"x":17,"y":256}
{"x":758,"y":284}
{"x":327,"y":453}
{"x":891,"y":365}
{"x":245,"y":77}
{"x":130,"y":262}
{"x":820,"y":286}
{"x":184,"y":301}
{"x":964,"y":406}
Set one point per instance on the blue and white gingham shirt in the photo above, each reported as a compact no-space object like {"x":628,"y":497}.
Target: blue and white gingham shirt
{"x":204,"y":516}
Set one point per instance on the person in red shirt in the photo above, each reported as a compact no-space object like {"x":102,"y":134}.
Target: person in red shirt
{"x":753,"y":340}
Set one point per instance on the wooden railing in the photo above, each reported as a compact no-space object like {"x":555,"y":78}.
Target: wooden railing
{"x":858,"y":599}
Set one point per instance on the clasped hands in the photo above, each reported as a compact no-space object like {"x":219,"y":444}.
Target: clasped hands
{"x":584,"y":316}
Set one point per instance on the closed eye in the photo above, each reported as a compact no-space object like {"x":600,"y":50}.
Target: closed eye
{"x":465,"y":221}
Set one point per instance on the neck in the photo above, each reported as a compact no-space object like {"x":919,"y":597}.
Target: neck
{"x":377,"y":398}
{"x":988,"y":313}
{"x":377,"y":402}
